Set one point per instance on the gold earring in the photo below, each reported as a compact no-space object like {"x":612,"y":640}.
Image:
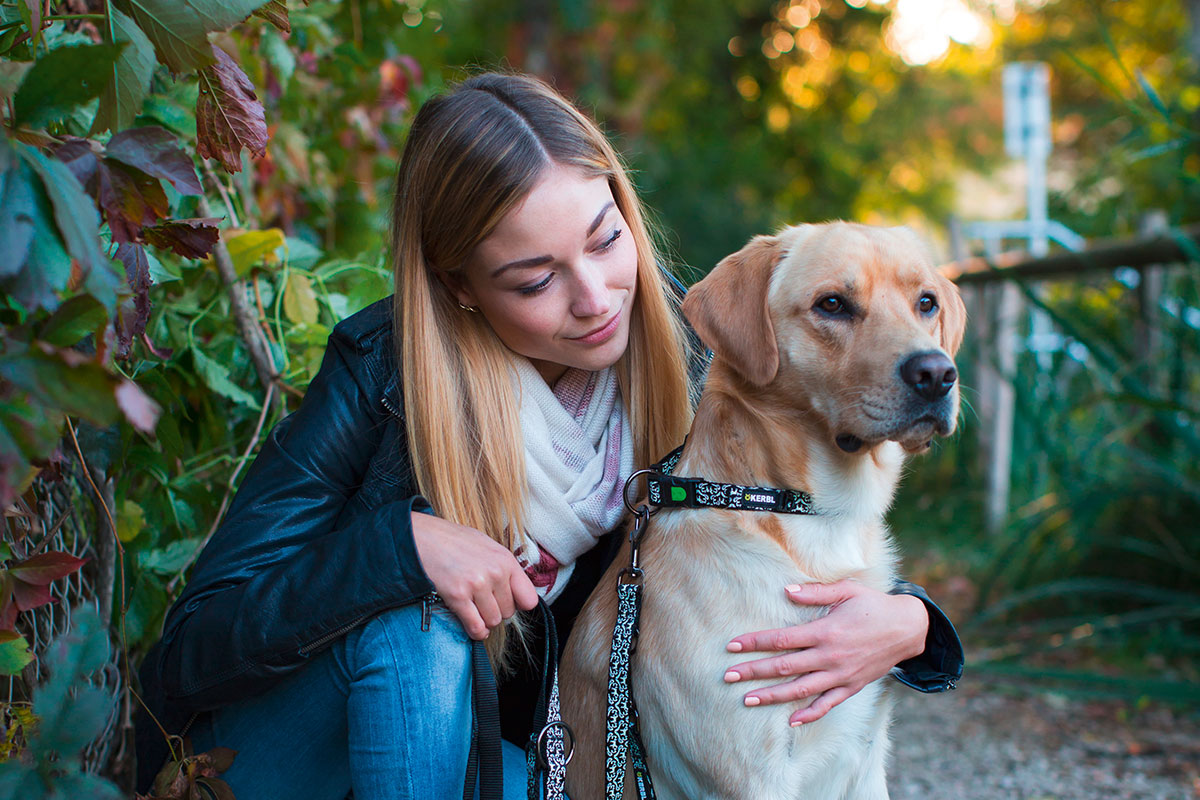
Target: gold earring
{"x":472,"y":309}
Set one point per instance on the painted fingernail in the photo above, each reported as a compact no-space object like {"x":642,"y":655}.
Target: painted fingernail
{"x":796,"y":723}
{"x":795,"y":587}
{"x":752,"y":701}
{"x":734,"y":647}
{"x":732,"y":676}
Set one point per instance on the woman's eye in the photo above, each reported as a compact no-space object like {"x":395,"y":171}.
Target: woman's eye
{"x":537,"y":287}
{"x":927,"y":304}
{"x":832,"y":304}
{"x":616,"y":234}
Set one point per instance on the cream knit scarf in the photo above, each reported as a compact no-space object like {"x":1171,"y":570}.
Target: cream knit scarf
{"x":578,"y":452}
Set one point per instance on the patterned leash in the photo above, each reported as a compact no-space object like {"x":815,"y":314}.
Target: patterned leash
{"x":551,"y":746}
{"x":622,"y":740}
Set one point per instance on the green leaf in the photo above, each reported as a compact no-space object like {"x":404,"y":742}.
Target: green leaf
{"x":61,"y":80}
{"x":171,"y":559}
{"x":14,"y":653}
{"x":72,"y":713}
{"x":249,"y":248}
{"x":299,"y":299}
{"x":76,"y":318}
{"x":31,"y":15}
{"x":25,"y":434}
{"x":147,"y":605}
{"x":82,"y":784}
{"x":62,"y":380}
{"x":17,"y":211}
{"x":172,"y":113}
{"x":301,"y":253}
{"x":79,"y":225}
{"x":179,"y":28}
{"x":122,"y":98}
{"x":47,"y":266}
{"x":216,"y":376}
{"x":279,"y":55}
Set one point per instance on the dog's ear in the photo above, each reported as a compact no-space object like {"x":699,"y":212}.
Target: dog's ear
{"x":728,"y":309}
{"x":954,"y":316}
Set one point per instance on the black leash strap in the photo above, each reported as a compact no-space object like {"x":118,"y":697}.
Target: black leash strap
{"x":551,"y":744}
{"x":622,"y":742}
{"x":484,"y":760}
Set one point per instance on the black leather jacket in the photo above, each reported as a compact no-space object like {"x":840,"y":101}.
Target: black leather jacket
{"x":319,"y":539}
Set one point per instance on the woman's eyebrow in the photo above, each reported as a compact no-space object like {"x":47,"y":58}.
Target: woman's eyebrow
{"x":537,"y":261}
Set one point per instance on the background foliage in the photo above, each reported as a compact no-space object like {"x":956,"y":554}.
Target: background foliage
{"x":191,"y":195}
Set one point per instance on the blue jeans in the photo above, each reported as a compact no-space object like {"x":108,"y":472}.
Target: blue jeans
{"x":385,"y":711}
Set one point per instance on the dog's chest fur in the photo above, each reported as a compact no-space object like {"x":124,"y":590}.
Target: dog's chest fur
{"x":712,"y":575}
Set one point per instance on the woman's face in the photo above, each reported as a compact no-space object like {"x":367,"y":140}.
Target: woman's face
{"x":556,"y":278}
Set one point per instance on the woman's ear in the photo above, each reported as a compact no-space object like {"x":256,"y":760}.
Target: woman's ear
{"x":458,"y":287}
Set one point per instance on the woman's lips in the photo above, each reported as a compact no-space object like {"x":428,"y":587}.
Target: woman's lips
{"x":602,"y":333}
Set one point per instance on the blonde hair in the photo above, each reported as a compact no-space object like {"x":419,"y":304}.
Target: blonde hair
{"x":471,"y":156}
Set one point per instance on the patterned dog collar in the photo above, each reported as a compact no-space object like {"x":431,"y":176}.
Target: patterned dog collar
{"x":670,"y":491}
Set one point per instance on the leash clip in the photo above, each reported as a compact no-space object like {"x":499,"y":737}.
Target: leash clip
{"x":633,"y":573}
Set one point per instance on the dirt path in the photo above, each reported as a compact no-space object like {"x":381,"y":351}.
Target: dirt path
{"x":988,"y":744}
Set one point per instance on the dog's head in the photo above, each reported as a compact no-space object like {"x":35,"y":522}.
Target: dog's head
{"x":853,"y":318}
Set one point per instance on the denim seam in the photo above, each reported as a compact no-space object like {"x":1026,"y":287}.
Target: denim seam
{"x":400,"y":688}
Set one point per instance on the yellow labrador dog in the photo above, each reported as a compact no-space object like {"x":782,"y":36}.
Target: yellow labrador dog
{"x":833,"y":348}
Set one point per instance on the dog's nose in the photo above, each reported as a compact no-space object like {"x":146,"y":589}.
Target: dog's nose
{"x":931,"y":375}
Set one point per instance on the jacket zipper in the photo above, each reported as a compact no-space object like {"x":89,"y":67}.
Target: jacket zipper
{"x":388,"y":405}
{"x":334,"y":634}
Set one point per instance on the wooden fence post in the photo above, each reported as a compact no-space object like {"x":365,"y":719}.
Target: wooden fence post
{"x":1148,"y":331}
{"x":1003,"y":365}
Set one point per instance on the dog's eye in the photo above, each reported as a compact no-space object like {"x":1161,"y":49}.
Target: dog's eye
{"x":832,"y":304}
{"x":927,"y":304}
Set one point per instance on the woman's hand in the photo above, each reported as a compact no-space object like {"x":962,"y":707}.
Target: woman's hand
{"x":864,"y":635}
{"x":480,"y":581}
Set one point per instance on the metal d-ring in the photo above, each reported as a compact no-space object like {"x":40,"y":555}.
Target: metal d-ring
{"x":568,"y":734}
{"x":625,"y":493}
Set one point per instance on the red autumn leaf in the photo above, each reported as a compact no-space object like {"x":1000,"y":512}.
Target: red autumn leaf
{"x":80,"y":158}
{"x":26,"y":583}
{"x":155,"y":151}
{"x":178,"y":780}
{"x":190,"y":238}
{"x":132,"y":322}
{"x":130,"y":198}
{"x":42,"y":569}
{"x":219,"y":789}
{"x":30,"y":595}
{"x":8,"y":606}
{"x":229,"y":115}
{"x":213,"y":762}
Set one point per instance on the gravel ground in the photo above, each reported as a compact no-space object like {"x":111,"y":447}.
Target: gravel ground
{"x":972,"y":744}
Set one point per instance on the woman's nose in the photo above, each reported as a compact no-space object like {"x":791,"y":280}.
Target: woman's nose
{"x":592,"y":297}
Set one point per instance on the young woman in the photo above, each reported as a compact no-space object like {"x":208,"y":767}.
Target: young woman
{"x":461,"y":452}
